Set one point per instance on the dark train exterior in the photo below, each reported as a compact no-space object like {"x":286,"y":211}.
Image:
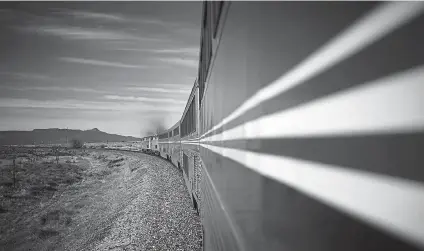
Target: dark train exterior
{"x":304,"y":129}
{"x":150,"y":145}
{"x":174,"y":145}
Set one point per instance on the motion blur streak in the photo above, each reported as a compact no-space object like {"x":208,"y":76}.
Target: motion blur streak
{"x":390,"y":104}
{"x":380,"y":22}
{"x":392,"y":204}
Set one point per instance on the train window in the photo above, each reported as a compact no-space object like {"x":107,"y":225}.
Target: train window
{"x":163,"y":136}
{"x":185,"y":164}
{"x":206,"y":49}
{"x":205,"y":15}
{"x":176,"y":131}
{"x":217,"y":9}
{"x":189,"y":122}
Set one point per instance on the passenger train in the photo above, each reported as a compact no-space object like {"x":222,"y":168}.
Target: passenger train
{"x":304,"y":129}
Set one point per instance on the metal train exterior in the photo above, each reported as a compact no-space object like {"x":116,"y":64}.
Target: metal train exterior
{"x":304,"y":128}
{"x":150,"y":144}
{"x":174,"y":145}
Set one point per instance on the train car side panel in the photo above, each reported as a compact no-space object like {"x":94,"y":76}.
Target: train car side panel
{"x":163,"y":144}
{"x":175,"y":144}
{"x":190,"y":157}
{"x":257,"y":176}
{"x":176,"y":149}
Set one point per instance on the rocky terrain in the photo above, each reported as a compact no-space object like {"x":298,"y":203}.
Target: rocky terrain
{"x":98,"y":200}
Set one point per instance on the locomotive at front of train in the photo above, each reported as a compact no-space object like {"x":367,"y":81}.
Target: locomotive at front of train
{"x":309,"y":125}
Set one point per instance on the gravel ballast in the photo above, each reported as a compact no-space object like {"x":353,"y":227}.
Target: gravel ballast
{"x":139,"y":202}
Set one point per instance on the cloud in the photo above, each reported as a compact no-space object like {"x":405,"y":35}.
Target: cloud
{"x":96,"y":15}
{"x":180,"y":61}
{"x":161,"y":90}
{"x":144,"y":99}
{"x":194,"y":51}
{"x":27,"y":76}
{"x":189,"y":51}
{"x":86,"y":105}
{"x":78,"y":33}
{"x":114,"y":17}
{"x":54,"y":88}
{"x":101,"y":63}
{"x":188,"y":86}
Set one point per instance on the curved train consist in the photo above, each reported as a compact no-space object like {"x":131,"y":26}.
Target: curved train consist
{"x":304,"y":129}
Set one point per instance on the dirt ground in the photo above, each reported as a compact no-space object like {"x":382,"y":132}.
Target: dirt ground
{"x":101,"y":200}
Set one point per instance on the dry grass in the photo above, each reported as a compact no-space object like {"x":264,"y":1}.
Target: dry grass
{"x":29,"y":210}
{"x":36,"y":183}
{"x":2,"y":210}
{"x":47,"y":233}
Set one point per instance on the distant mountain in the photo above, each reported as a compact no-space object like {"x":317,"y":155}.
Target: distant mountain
{"x":58,"y":136}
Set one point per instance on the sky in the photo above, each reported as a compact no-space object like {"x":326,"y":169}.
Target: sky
{"x":121,"y":67}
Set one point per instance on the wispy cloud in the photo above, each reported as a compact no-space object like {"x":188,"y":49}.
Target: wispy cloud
{"x":190,"y":51}
{"x":115,"y":17}
{"x":175,"y":90}
{"x":180,"y":61}
{"x":96,"y":15}
{"x":79,"y":33}
{"x":16,"y":14}
{"x":160,"y":90}
{"x":27,"y":76}
{"x":54,"y":88}
{"x":101,"y":63}
{"x":86,"y":105}
{"x":144,"y":99}
{"x":188,"y":86}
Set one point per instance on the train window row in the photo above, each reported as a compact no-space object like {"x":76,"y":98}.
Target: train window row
{"x":163,"y":136}
{"x":211,"y":16}
{"x":169,"y":134}
{"x":176,"y":131}
{"x":189,"y":122}
{"x":205,"y":51}
{"x":185,"y":164}
{"x":216,"y":14}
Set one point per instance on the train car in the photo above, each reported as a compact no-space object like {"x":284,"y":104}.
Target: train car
{"x":163,"y":144}
{"x":311,"y":126}
{"x":190,"y":156}
{"x":150,"y":145}
{"x":175,"y":145}
{"x":145,"y":143}
{"x":154,"y":144}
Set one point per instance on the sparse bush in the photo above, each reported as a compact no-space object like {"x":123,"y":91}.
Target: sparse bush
{"x":2,"y":210}
{"x":45,"y":234}
{"x":55,"y":151}
{"x":77,"y":144}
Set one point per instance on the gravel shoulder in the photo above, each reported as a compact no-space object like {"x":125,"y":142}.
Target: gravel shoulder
{"x":125,"y":201}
